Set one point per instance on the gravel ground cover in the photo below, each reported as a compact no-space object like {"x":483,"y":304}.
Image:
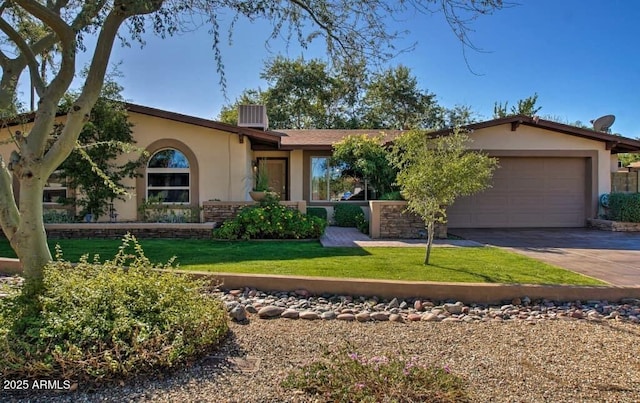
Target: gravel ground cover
{"x":560,"y":360}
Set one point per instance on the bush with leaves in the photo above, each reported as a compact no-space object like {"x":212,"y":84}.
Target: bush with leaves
{"x":346,"y":214}
{"x":345,"y":376}
{"x":624,"y":207}
{"x":319,"y":212}
{"x":97,"y":322}
{"x":271,"y":220}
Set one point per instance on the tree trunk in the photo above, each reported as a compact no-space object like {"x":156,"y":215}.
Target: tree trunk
{"x":30,"y":239}
{"x":430,"y":233}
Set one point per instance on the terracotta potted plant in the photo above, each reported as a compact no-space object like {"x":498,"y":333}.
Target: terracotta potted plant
{"x":260,"y":182}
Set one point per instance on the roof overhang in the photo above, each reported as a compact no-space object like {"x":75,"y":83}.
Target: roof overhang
{"x":616,"y":144}
{"x":259,"y":138}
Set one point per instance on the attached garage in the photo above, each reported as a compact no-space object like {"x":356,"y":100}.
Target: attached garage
{"x":529,"y":192}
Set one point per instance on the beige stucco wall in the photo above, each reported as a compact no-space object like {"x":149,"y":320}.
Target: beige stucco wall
{"x":296,"y":170}
{"x":527,"y":138}
{"x":224,"y":163}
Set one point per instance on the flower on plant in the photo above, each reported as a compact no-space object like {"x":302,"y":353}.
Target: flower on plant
{"x":447,"y":369}
{"x":360,"y":385}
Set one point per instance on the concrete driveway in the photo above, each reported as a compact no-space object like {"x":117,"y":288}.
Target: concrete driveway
{"x":613,"y":257}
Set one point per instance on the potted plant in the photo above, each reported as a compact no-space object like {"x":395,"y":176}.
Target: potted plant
{"x":260,"y":182}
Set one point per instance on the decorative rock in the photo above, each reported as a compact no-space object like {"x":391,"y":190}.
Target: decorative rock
{"x":290,"y":314}
{"x":577,"y":314}
{"x":251,"y":309}
{"x":516,"y":301}
{"x":302,"y":292}
{"x":430,"y":317}
{"x":328,"y":315}
{"x":238,"y":313}
{"x":381,"y":316}
{"x":270,"y":311}
{"x":417,"y":305}
{"x":308,"y":315}
{"x":454,"y":309}
{"x":394,"y":317}
{"x":235,"y":293}
{"x":394,"y":303}
{"x":414,"y":317}
{"x":346,"y":316}
{"x":363,"y":317}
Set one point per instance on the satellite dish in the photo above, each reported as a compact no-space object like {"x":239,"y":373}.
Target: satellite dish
{"x":603,"y":123}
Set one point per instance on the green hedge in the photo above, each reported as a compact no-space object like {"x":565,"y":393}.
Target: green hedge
{"x":319,"y":212}
{"x":346,"y":214}
{"x":624,"y":207}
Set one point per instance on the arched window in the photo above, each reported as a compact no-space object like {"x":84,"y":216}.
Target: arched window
{"x":169,"y":177}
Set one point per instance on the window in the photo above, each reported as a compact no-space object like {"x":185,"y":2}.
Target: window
{"x":334,"y":183}
{"x":168,"y":177}
{"x":55,"y":189}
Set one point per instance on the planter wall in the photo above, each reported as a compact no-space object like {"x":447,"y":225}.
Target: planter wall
{"x":139,"y":230}
{"x":616,"y":226}
{"x":218,"y":212}
{"x":388,"y":219}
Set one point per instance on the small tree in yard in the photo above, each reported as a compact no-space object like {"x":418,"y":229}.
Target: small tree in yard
{"x":435,"y":171}
{"x":93,"y":167}
{"x":366,"y":157}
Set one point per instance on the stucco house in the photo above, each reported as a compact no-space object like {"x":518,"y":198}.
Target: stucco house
{"x":550,"y":174}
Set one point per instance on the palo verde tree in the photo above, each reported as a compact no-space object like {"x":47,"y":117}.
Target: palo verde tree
{"x":350,"y":29}
{"x":434,"y":171}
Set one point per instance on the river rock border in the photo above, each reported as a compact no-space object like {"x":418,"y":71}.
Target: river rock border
{"x":249,"y":303}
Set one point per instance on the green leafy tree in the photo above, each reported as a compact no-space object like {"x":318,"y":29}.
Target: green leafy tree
{"x":393,"y":100}
{"x":299,"y":93}
{"x":366,"y":157}
{"x":92,"y":168}
{"x":304,"y":94}
{"x":526,"y":107}
{"x":434,"y":171}
{"x":350,"y":30}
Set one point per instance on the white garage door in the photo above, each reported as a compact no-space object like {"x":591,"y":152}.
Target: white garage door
{"x":527,"y":192}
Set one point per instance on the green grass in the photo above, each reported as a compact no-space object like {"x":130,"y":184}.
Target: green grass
{"x":481,"y":264}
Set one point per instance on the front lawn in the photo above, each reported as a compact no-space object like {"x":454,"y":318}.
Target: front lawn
{"x":481,"y":264}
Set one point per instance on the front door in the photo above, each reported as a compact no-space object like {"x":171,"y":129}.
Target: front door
{"x":277,"y":172}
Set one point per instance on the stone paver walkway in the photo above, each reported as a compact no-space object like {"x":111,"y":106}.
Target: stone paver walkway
{"x":350,"y":237}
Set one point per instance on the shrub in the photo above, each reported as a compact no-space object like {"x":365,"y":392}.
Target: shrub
{"x":344,"y":214}
{"x":361,"y":223}
{"x":349,"y":377}
{"x":57,"y":217}
{"x":624,"y":207}
{"x":319,"y":212}
{"x":98,"y":322}
{"x":396,"y":195}
{"x":270,"y":220}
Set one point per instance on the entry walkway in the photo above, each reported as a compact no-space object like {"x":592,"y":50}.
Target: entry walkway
{"x":336,"y":237}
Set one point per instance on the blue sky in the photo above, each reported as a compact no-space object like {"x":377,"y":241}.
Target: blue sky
{"x":580,"y":56}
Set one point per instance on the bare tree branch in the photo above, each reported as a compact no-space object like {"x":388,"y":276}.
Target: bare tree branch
{"x":26,"y":51}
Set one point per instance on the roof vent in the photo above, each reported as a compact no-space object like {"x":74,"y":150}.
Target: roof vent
{"x":254,"y":116}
